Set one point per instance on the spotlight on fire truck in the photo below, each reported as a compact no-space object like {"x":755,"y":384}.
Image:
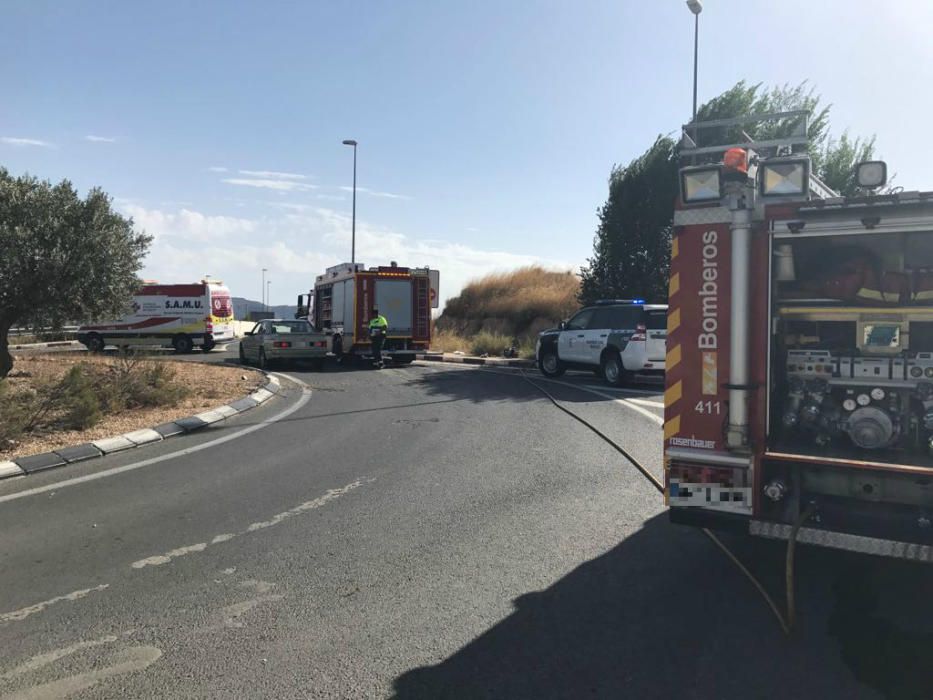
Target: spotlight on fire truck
{"x":782,"y":177}
{"x":871,"y":174}
{"x":700,"y":183}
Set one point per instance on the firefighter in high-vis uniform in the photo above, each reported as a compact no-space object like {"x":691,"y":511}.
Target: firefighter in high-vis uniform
{"x":378,"y":327}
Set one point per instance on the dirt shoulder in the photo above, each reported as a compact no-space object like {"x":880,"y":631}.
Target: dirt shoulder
{"x":210,"y":386}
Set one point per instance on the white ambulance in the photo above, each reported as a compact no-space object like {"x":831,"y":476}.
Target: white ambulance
{"x":181,"y":316}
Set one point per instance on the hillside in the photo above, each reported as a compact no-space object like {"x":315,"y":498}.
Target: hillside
{"x":497,"y":308}
{"x":242,"y":307}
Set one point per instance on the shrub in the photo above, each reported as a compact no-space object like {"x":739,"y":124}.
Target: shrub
{"x":80,"y":404}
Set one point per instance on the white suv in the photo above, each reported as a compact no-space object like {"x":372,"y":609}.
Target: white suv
{"x":616,"y":338}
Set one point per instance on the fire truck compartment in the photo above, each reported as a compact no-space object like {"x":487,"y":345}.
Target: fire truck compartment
{"x":393,"y":299}
{"x":851,"y":362}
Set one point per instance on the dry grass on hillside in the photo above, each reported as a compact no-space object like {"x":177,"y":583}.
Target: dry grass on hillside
{"x":514,"y":304}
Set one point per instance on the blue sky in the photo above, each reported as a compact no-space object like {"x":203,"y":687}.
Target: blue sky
{"x":487,"y":129}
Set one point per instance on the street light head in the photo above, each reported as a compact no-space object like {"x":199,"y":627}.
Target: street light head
{"x":696,"y":7}
{"x":349,"y":142}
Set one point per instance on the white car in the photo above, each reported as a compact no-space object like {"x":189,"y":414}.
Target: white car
{"x":616,"y":338}
{"x":283,"y":340}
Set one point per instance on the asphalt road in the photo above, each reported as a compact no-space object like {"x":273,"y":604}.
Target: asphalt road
{"x":422,"y":532}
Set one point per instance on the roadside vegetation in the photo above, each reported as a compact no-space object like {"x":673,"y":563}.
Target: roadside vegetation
{"x":65,"y":259}
{"x":50,"y":401}
{"x":631,"y":249}
{"x":505,"y":310}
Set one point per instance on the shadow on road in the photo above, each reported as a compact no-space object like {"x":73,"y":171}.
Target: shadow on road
{"x":664,"y":615}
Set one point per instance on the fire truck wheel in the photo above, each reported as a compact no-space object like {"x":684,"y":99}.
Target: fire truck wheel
{"x":550,"y":365}
{"x":182,"y":344}
{"x":613,"y":370}
{"x":95,"y":343}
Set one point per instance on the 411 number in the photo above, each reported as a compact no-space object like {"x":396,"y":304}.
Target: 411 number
{"x":711,"y":407}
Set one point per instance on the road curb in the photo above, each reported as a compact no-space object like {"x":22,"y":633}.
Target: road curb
{"x":22,"y":466}
{"x":468,"y":360}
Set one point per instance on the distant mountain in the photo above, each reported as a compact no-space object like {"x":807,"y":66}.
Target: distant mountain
{"x":242,"y":308}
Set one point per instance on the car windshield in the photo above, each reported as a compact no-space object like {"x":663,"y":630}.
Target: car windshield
{"x":285,"y":327}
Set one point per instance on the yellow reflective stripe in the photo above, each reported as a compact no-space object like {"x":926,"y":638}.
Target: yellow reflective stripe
{"x":672,"y":427}
{"x":674,"y":285}
{"x":675,"y":247}
{"x":673,"y":393}
{"x":673,"y":321}
{"x":672,"y":359}
{"x":867,"y":293}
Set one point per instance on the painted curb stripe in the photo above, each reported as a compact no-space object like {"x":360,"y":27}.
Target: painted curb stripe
{"x":136,"y":438}
{"x":8,"y":469}
{"x":114,"y":444}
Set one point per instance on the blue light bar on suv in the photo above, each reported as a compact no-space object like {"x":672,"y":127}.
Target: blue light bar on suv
{"x":610,"y":302}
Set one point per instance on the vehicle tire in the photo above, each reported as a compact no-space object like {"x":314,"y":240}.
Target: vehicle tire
{"x":208,"y":345}
{"x":182,"y":344}
{"x":550,"y":365}
{"x":403,"y":360}
{"x":262,"y":363}
{"x":243,"y":360}
{"x":95,"y":343}
{"x":613,"y":370}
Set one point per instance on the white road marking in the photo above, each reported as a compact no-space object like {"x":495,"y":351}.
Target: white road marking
{"x":306,"y":506}
{"x":23,"y":613}
{"x":45,"y":659}
{"x":330,"y":495}
{"x":258,"y":586}
{"x":127,"y":660}
{"x":628,"y":403}
{"x":646,"y":402}
{"x":232,"y":613}
{"x":305,"y":397}
{"x":160,"y":559}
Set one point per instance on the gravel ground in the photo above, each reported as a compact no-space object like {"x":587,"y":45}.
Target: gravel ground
{"x":211,"y":385}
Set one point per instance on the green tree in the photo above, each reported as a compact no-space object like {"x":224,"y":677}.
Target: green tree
{"x":632,"y":247}
{"x":631,"y":250}
{"x":63,"y":258}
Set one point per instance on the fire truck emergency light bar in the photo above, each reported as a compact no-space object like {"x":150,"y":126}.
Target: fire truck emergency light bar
{"x":777,"y":177}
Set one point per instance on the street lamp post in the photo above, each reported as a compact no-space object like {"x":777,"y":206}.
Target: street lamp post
{"x":262,"y":290}
{"x":351,"y":142}
{"x":696,"y":7}
{"x":268,"y":295}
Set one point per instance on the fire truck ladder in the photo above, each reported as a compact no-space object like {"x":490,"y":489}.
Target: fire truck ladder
{"x":422,"y":307}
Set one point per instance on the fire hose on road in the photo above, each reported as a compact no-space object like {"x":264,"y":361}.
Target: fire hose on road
{"x":785,"y":620}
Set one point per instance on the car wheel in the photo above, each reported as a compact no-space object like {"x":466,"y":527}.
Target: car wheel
{"x":263,"y":362}
{"x":95,"y":343}
{"x":243,"y":360}
{"x":613,"y":370}
{"x":182,"y":344}
{"x":550,"y":365}
{"x":208,"y":345}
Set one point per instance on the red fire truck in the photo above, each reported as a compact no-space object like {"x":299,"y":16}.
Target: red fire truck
{"x":799,"y":387}
{"x":343,"y":297}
